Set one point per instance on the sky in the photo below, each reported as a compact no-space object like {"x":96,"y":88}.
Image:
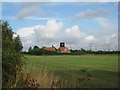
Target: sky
{"x":78,"y":24}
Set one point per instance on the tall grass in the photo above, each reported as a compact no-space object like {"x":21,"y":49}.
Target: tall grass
{"x":68,"y":72}
{"x":41,"y":78}
{"x":35,"y":79}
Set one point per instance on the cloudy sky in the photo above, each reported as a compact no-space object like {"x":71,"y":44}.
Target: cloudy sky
{"x":76,"y":24}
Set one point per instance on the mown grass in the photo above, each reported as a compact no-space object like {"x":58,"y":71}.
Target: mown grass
{"x":103,"y":69}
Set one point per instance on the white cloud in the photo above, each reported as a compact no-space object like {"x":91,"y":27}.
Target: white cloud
{"x":53,"y":32}
{"x":50,"y":30}
{"x":40,"y":34}
{"x":74,"y":31}
{"x":89,"y":13}
{"x":105,"y":23}
{"x":90,"y":38}
{"x":112,"y":38}
{"x":37,"y":18}
{"x":107,"y":34}
{"x":25,"y":32}
{"x":29,"y":9}
{"x":107,"y":27}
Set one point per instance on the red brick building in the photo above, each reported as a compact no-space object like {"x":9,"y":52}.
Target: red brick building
{"x":64,"y":50}
{"x":50,"y":48}
{"x":61,"y":49}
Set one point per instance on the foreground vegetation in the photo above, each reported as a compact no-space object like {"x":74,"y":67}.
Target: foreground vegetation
{"x":98,"y":71}
{"x":11,"y":56}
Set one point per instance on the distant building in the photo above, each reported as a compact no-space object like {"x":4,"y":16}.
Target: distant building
{"x":50,"y":48}
{"x":63,"y":49}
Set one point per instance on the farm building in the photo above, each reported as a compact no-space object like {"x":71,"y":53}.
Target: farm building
{"x":50,"y":48}
{"x":61,"y":49}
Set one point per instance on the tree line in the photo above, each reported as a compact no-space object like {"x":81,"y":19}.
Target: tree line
{"x":41,"y":51}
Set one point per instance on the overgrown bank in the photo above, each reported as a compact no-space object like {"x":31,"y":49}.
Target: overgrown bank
{"x":11,"y":56}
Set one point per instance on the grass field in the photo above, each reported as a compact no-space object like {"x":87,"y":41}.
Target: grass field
{"x":103,"y":69}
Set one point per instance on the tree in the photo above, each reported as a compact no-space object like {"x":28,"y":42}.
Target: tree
{"x":82,"y":49}
{"x":43,"y":47}
{"x":17,"y":44}
{"x":11,"y":56}
{"x":36,"y":47}
{"x":30,"y":48}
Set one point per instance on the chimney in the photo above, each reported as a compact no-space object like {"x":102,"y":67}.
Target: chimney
{"x":62,"y":44}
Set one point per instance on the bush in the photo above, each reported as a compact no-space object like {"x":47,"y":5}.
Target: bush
{"x":41,"y":52}
{"x":11,"y":57}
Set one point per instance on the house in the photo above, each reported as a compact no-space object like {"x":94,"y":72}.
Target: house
{"x":50,"y":48}
{"x":63,"y":49}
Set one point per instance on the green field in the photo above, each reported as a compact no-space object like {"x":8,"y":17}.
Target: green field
{"x":102,"y":68}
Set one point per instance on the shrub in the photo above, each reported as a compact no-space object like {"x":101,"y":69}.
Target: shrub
{"x":11,"y":57}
